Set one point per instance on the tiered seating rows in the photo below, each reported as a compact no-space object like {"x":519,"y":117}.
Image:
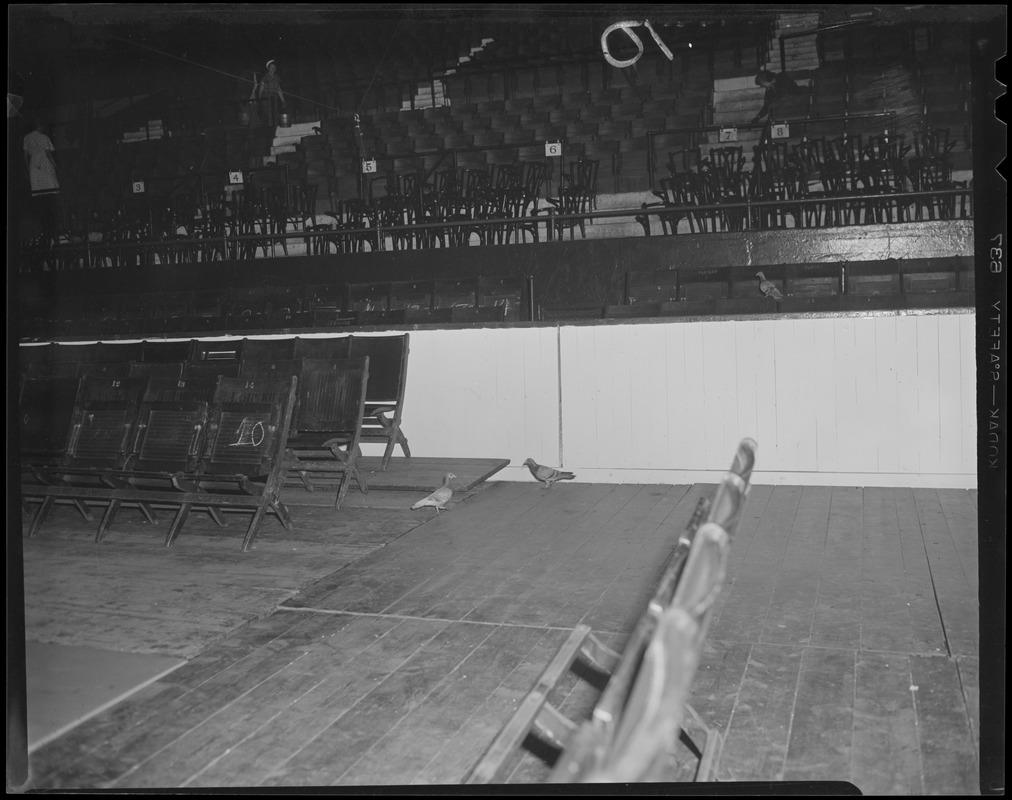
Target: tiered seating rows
{"x":642,"y":715}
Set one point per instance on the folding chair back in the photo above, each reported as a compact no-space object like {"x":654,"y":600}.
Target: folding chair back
{"x":170,"y":434}
{"x":331,"y":396}
{"x":104,"y":422}
{"x":46,"y":409}
{"x":244,"y":427}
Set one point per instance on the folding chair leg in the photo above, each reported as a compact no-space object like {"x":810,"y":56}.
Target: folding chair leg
{"x":281,"y":512}
{"x":342,"y":489}
{"x":149,"y":515}
{"x":254,"y":526}
{"x":177,"y":523}
{"x":40,"y":515}
{"x":107,"y":518}
{"x":84,"y":510}
{"x":218,"y":519}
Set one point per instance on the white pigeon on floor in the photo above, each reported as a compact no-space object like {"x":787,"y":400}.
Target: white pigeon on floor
{"x":768,"y":288}
{"x":547,"y":475}
{"x":439,"y":498}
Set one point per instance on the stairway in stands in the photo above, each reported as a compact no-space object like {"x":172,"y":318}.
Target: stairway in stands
{"x":434,"y":94}
{"x":736,"y":100}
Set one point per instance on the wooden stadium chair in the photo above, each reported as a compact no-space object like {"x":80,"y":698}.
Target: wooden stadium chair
{"x":327,"y":430}
{"x":384,"y":405}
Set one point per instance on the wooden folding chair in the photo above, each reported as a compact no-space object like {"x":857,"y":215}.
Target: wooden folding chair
{"x":330,"y":417}
{"x":384,"y":405}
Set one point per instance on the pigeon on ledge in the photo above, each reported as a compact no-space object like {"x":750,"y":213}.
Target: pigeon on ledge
{"x":768,"y":288}
{"x":439,"y":498}
{"x":547,"y":475}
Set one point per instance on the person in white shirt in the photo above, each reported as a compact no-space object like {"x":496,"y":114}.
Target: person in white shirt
{"x":40,"y":162}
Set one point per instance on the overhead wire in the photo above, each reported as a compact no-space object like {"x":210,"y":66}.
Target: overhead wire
{"x":243,"y":80}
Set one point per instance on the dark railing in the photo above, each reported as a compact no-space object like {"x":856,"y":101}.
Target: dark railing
{"x":227,"y":245}
{"x":693,"y":134}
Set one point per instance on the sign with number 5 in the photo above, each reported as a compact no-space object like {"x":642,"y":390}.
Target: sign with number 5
{"x":368,"y":166}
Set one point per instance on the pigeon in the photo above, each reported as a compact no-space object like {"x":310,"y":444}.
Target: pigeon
{"x":768,"y":288}
{"x":439,"y":498}
{"x":547,"y":475}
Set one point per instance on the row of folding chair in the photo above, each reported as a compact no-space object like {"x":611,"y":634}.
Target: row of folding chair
{"x":203,"y":360}
{"x":642,"y":720}
{"x":147,"y":442}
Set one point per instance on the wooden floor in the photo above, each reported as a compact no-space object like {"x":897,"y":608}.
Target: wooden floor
{"x":379,"y":645}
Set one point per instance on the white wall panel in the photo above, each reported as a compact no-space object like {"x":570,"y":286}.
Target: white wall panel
{"x":949,"y":393}
{"x":877,"y":400}
{"x":863,"y":438}
{"x":824,"y":374}
{"x":929,"y":433}
{"x":906,"y":397}
{"x":968,"y":392}
{"x":747,"y":366}
{"x":887,"y":409}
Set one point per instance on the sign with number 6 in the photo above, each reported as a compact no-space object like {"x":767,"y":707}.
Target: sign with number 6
{"x":553,"y":149}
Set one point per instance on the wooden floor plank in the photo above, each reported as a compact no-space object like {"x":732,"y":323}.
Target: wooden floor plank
{"x":792,"y":608}
{"x":564,"y":593}
{"x":401,"y":754}
{"x":330,"y":641}
{"x":532,"y":564}
{"x":744,"y":612}
{"x":943,"y":556}
{"x":460,"y":752}
{"x":886,"y":757}
{"x":310,"y":713}
{"x":104,"y":747}
{"x":718,"y":681}
{"x":969,"y":680}
{"x":349,"y":736}
{"x":755,"y":748}
{"x":300,"y":697}
{"x":622,"y":601}
{"x":821,"y":741}
{"x":961,"y":519}
{"x":948,"y":757}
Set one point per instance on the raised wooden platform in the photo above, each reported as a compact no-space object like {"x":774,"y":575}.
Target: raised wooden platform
{"x":402,"y":480}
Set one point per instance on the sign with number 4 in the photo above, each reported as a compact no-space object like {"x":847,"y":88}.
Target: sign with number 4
{"x":553,"y":149}
{"x":368,"y":166}
{"x":235,"y":177}
{"x":780,"y":131}
{"x":138,"y":187}
{"x":728,"y":135}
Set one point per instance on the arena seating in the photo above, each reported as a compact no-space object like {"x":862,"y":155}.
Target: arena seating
{"x":474,"y":171}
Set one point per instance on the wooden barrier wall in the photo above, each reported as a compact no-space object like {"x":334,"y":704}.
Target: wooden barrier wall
{"x":870,"y":400}
{"x":864,"y":401}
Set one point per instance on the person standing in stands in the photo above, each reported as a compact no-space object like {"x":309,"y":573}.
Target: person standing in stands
{"x":270,"y":90}
{"x":776,"y":86}
{"x":41,"y":165}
